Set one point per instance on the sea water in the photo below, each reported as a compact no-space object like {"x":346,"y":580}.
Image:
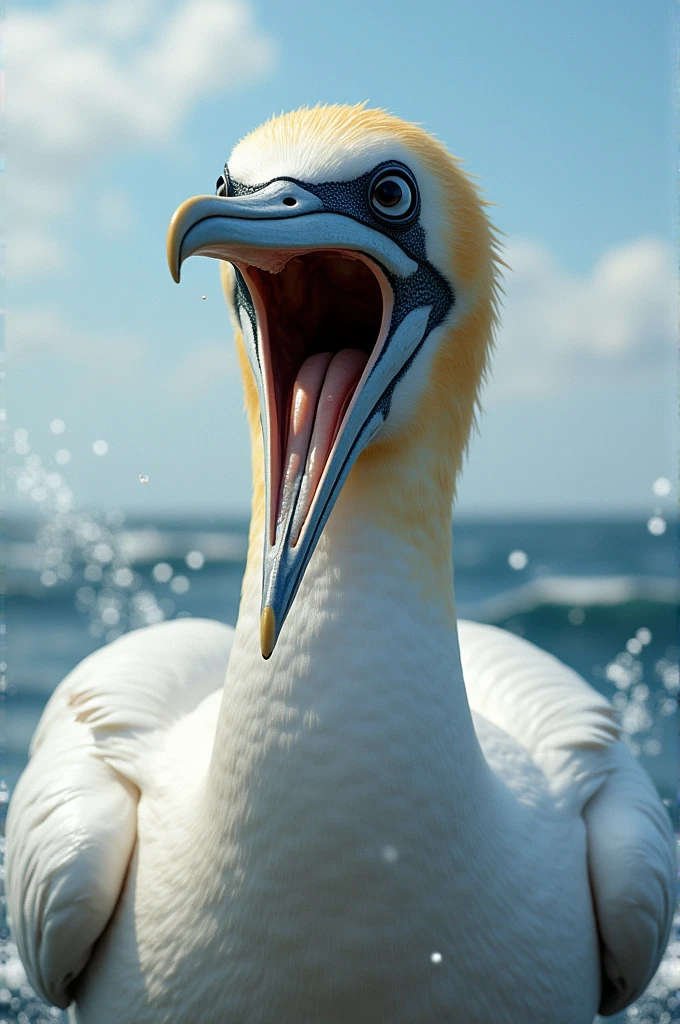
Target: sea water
{"x":600,"y":594}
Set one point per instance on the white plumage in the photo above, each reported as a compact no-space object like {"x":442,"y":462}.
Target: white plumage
{"x":136,"y":720}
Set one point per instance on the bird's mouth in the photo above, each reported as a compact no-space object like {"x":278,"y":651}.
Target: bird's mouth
{"x":322,"y":319}
{"x":315,"y":296}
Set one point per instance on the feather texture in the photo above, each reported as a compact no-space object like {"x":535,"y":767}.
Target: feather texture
{"x":570,"y":731}
{"x":567,"y":727}
{"x":73,"y":817}
{"x":631,"y":857}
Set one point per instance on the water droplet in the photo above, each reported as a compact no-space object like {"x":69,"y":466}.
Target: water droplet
{"x":195,"y":559}
{"x":123,"y":577}
{"x":180,"y":585}
{"x":518,"y":559}
{"x":100,"y":447}
{"x":57,"y":426}
{"x":110,"y":616}
{"x":644,"y":635}
{"x":63,"y":456}
{"x":115,"y":517}
{"x":436,"y":958}
{"x":143,"y":478}
{"x":656,"y":526}
{"x":576,"y":616}
{"x":103,"y":552}
{"x":662,"y":487}
{"x":204,"y":297}
{"x":48,"y":578}
{"x":162,"y":572}
{"x":633,"y":646}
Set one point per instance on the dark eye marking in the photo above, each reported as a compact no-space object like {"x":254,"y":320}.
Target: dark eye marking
{"x":393,"y":194}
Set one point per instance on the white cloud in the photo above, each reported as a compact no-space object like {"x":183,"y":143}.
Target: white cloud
{"x":78,"y":94}
{"x":32,"y":251}
{"x":203,"y":369}
{"x":92,"y":80}
{"x":39,"y":334}
{"x":34,"y":335}
{"x":561,"y":329}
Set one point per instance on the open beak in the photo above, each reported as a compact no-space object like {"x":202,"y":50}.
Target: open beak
{"x":315,"y":297}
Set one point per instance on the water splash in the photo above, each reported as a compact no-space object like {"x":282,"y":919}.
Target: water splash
{"x":645,"y":694}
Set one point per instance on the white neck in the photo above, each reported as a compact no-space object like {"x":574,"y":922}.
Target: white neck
{"x":348,"y":800}
{"x":363,"y":698}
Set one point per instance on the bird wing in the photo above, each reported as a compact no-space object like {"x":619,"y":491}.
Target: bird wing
{"x":72,"y":821}
{"x":570,"y":731}
{"x":631,"y":858}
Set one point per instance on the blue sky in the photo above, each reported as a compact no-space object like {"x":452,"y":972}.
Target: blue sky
{"x":118,"y":111}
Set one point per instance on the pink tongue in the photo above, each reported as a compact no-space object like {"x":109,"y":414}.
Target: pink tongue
{"x":321,"y":394}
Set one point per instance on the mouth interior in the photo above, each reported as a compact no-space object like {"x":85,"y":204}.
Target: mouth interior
{"x":323,"y":313}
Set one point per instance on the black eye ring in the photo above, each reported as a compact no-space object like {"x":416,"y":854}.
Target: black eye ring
{"x":393,"y":194}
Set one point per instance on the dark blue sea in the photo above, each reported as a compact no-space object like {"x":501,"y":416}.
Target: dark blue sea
{"x":600,"y":594}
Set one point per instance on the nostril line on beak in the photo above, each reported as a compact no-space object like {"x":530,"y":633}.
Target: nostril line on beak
{"x":289,"y":201}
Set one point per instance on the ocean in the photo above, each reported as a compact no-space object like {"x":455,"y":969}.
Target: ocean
{"x":600,"y":594}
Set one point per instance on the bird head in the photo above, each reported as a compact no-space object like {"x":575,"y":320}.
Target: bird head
{"x":361,"y":272}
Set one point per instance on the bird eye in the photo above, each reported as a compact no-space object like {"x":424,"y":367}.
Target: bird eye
{"x":221,"y":186}
{"x":393,"y":195}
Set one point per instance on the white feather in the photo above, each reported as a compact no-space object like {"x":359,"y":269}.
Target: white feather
{"x":113,"y":723}
{"x":72,"y":822}
{"x":631,"y":857}
{"x":570,"y":731}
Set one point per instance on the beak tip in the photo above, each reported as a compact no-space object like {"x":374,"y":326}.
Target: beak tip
{"x":174,"y":264}
{"x":267,"y":631}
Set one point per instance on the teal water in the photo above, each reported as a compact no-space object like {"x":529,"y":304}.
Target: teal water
{"x":602,"y":595}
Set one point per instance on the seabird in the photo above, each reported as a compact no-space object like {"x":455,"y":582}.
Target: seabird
{"x":352,"y":808}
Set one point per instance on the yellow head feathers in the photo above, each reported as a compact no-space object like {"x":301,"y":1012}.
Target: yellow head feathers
{"x":338,"y":143}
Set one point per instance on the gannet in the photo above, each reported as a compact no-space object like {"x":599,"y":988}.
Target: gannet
{"x":352,"y":808}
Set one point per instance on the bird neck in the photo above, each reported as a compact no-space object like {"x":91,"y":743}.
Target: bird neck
{"x":363,"y":695}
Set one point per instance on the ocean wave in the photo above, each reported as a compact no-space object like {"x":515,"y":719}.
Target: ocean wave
{"x":144,"y":546}
{"x":574,"y":592}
